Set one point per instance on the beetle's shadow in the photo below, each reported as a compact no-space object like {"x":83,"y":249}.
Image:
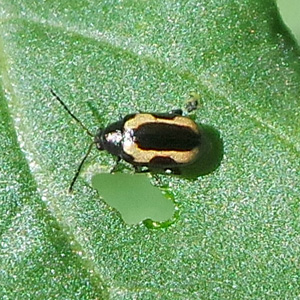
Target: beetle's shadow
{"x":212,"y":151}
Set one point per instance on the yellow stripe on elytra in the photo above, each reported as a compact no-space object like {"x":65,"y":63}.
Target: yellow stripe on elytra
{"x":145,"y":156}
{"x":140,"y":119}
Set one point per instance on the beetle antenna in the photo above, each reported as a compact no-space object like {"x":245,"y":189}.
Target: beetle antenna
{"x":79,"y":167}
{"x":70,"y":113}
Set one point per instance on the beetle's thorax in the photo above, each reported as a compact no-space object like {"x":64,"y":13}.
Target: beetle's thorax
{"x":110,"y":139}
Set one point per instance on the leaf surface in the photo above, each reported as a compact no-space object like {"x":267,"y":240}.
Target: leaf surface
{"x":237,"y":235}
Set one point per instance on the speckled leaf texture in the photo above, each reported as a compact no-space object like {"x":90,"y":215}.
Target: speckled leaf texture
{"x":237,"y":234}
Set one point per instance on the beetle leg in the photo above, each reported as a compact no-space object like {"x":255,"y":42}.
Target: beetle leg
{"x":175,"y":171}
{"x":116,"y":165}
{"x":139,"y":169}
{"x":178,"y":112}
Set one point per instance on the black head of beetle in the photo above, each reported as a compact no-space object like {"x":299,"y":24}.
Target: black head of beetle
{"x":157,"y":141}
{"x":110,"y":138}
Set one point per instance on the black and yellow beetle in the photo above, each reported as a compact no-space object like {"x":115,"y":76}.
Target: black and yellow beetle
{"x":157,"y":141}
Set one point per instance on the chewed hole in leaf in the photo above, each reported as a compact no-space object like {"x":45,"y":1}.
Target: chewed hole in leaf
{"x":134,"y":197}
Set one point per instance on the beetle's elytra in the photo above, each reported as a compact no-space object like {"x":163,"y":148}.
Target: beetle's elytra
{"x":157,"y":141}
{"x":160,"y":141}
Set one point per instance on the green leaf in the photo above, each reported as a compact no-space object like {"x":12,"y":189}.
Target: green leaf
{"x":237,"y":233}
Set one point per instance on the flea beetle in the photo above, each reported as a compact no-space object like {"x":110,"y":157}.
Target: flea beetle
{"x":164,"y":142}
